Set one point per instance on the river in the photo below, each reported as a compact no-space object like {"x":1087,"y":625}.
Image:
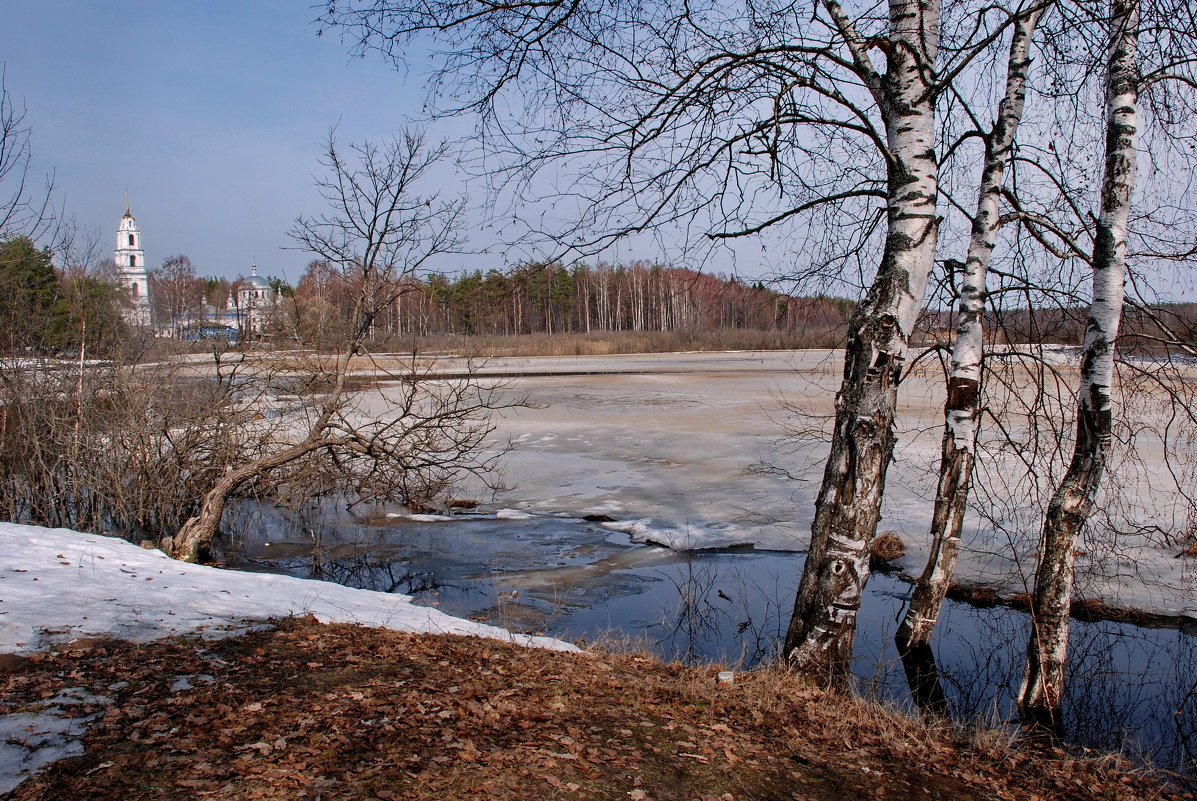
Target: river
{"x":690,"y":451}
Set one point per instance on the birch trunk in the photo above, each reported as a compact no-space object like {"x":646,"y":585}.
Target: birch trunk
{"x":848,"y":507}
{"x":1070,"y":507}
{"x":962,"y":409}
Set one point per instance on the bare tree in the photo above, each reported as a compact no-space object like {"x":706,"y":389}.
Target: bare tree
{"x":22,"y":210}
{"x":733,"y":121}
{"x":1041,"y":694}
{"x":430,"y":432}
{"x":848,"y":508}
{"x":963,"y":406}
{"x":176,"y":292}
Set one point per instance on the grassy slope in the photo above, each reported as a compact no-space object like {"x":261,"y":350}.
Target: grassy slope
{"x":332,"y":712}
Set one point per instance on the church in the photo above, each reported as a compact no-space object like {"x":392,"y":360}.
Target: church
{"x":250,"y":307}
{"x":130,"y":270}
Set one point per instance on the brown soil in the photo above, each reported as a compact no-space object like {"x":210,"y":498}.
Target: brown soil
{"x":335,"y":712}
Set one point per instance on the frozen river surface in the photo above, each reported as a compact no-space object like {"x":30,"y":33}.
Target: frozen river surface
{"x":707,"y":450}
{"x":678,"y":448}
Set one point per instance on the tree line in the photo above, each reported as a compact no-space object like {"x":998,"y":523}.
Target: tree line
{"x":530,"y":298}
{"x":554,"y":299}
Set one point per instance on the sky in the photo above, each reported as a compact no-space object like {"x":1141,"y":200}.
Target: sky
{"x":212,"y":115}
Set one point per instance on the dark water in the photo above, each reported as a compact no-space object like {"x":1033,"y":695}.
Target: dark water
{"x":1130,"y":688}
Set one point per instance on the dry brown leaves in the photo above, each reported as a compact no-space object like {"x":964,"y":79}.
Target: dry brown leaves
{"x":337,"y":712}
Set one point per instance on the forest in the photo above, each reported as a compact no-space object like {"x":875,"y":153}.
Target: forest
{"x":525,"y":299}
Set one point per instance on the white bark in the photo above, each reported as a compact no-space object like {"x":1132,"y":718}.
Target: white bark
{"x":962,"y":409}
{"x":848,"y":507}
{"x":1043,"y":684}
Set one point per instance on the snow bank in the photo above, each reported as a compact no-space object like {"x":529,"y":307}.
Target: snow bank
{"x":58,"y":585}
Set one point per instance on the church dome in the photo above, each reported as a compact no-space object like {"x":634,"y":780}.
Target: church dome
{"x":255,"y":281}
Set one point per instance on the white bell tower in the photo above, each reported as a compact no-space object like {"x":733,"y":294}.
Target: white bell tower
{"x":130,"y":269}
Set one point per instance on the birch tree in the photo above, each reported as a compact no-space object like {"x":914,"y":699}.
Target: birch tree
{"x":848,"y":508}
{"x":962,"y":408}
{"x":1041,"y":693}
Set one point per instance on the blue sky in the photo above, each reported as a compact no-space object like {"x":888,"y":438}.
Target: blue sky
{"x":211,"y":114}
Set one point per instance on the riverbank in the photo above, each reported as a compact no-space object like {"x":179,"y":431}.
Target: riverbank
{"x":107,"y":692}
{"x":66,"y":590}
{"x":307,"y":710}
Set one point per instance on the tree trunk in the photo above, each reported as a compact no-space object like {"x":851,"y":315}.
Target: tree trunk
{"x":1039,"y":701}
{"x":962,"y":409}
{"x":848,"y":507}
{"x":194,"y":538}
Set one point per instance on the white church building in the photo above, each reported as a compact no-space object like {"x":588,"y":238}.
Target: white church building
{"x":130,"y":270}
{"x":256,"y":302}
{"x":251,"y":305}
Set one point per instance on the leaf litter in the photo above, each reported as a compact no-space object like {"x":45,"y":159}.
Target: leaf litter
{"x":311,"y":711}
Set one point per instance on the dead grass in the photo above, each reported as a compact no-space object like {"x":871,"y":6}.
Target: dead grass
{"x":604,"y":343}
{"x":888,"y":546}
{"x":395,"y":354}
{"x":595,"y":343}
{"x":337,"y":712}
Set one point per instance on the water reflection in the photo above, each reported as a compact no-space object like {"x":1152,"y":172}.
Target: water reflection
{"x":1130,"y":688}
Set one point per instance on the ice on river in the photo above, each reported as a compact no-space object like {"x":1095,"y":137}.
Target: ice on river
{"x":689,"y":451}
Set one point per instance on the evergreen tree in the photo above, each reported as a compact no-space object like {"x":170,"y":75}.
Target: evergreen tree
{"x":32,"y":312}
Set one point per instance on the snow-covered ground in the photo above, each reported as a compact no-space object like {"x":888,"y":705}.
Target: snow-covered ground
{"x":59,"y":586}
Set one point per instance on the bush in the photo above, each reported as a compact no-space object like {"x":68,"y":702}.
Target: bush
{"x":109,"y":448}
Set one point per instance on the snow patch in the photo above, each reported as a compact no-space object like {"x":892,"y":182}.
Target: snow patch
{"x":185,"y":683}
{"x":680,"y":537}
{"x":58,"y":585}
{"x":34,"y":738}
